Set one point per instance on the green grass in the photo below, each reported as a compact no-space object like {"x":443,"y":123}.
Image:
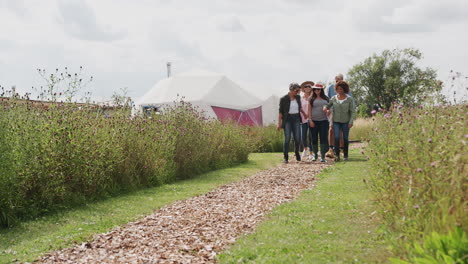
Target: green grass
{"x":331,"y":223}
{"x":28,"y":240}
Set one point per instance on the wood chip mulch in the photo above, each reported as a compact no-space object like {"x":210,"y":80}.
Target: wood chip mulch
{"x":196,"y":229}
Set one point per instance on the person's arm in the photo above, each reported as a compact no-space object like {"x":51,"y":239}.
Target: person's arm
{"x":280,"y":118}
{"x":352,"y":112}
{"x":328,"y":106}
{"x":306,"y":116}
{"x":309,"y":110}
{"x":280,"y":115}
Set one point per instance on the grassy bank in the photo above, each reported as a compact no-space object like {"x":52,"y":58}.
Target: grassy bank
{"x":335,"y":222}
{"x":29,"y":240}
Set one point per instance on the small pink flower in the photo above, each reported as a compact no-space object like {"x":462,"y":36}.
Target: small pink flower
{"x":362,"y":151}
{"x":373,"y":112}
{"x":418,"y":170}
{"x":387,"y":115}
{"x":433,"y":164}
{"x":429,"y":140}
{"x":416,"y":206}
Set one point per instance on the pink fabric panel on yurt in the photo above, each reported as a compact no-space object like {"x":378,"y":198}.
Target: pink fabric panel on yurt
{"x":250,"y":117}
{"x":225,"y":114}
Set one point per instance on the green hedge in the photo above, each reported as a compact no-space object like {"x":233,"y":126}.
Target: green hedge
{"x":64,"y":155}
{"x":419,"y":160}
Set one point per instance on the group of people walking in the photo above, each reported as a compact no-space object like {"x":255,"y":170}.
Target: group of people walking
{"x":315,"y":116}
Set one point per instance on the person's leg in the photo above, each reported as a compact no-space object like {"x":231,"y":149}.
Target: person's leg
{"x":310,"y":138}
{"x":296,"y":126}
{"x":331,"y":140}
{"x":304,"y":128}
{"x":315,"y":132}
{"x":323,"y":132}
{"x":287,"y":138}
{"x":331,"y":135}
{"x":336,"y":131}
{"x":345,"y":140}
{"x":341,"y":141}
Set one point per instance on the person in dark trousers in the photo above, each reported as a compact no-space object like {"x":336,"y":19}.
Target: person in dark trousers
{"x":331,"y":93}
{"x":306,"y":130}
{"x":343,"y":112}
{"x":318,"y":121}
{"x":289,"y":119}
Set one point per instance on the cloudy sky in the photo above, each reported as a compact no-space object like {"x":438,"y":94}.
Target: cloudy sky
{"x":261,"y":44}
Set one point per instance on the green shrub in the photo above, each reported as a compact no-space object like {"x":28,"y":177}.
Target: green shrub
{"x":60,"y":155}
{"x":419,"y":162}
{"x":450,"y":249}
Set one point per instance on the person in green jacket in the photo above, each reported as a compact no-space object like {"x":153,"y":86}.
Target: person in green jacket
{"x":342,"y":116}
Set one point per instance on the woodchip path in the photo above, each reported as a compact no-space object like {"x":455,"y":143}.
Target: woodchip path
{"x":196,"y":229}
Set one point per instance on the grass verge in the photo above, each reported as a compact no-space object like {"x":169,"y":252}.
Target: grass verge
{"x":335,"y":222}
{"x":28,"y":240}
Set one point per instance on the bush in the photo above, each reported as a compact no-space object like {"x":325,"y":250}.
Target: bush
{"x":59,"y":155}
{"x":451,"y":248}
{"x":419,"y":162}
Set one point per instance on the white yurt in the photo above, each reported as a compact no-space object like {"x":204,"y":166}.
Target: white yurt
{"x":215,"y":94}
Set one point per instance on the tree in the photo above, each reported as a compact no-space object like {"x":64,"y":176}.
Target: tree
{"x":392,"y":77}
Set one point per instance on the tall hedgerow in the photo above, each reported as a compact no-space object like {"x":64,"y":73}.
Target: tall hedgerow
{"x":55,"y":155}
{"x":419,"y":161}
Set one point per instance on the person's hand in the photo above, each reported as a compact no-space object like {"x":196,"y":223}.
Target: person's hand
{"x":278,"y":127}
{"x":311,"y":123}
{"x":350,"y":125}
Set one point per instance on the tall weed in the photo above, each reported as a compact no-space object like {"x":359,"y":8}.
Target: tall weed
{"x":59,"y":155}
{"x":419,"y":160}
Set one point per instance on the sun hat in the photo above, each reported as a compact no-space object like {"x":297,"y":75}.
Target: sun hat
{"x":318,"y":86}
{"x":304,"y":84}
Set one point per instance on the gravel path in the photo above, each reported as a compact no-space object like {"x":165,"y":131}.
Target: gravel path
{"x":196,"y":229}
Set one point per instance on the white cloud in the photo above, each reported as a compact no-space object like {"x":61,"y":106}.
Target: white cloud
{"x":266,"y":43}
{"x":231,"y":24}
{"x":79,"y":20}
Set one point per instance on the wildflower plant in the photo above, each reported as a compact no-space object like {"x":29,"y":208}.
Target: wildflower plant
{"x":57,"y":155}
{"x":419,"y":162}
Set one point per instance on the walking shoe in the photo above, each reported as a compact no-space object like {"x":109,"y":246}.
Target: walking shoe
{"x":315,"y":158}
{"x":346,"y":158}
{"x":323,"y":160}
{"x":285,"y":161}
{"x":304,"y":154}
{"x":330,"y":154}
{"x":337,"y":158}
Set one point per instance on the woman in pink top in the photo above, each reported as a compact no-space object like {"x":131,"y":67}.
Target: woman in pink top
{"x":305,"y":128}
